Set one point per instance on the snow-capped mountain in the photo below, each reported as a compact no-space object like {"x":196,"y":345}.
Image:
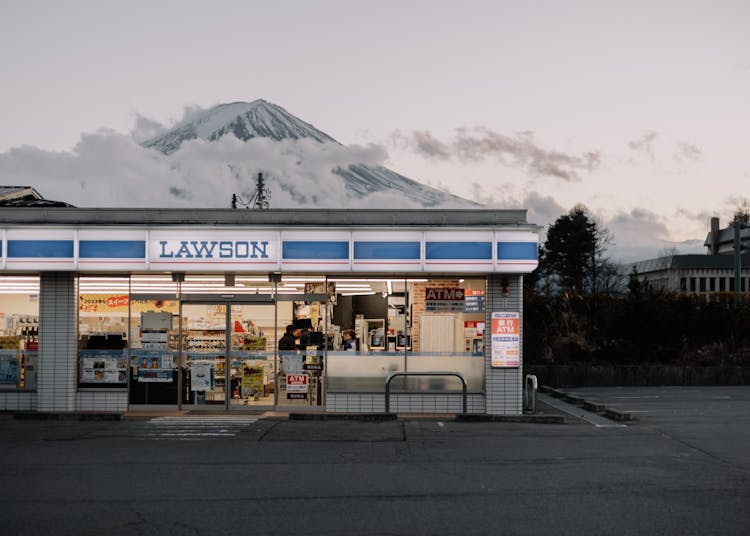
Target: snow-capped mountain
{"x":245,"y":120}
{"x":262,"y":119}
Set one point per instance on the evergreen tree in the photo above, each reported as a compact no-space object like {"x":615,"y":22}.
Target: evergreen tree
{"x":573,"y":254}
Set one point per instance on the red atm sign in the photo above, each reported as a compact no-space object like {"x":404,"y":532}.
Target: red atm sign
{"x":444,"y":299}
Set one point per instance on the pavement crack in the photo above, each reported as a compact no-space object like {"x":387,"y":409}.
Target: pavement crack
{"x":705,"y":452}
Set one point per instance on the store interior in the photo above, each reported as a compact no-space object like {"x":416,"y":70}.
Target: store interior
{"x":226,"y":329}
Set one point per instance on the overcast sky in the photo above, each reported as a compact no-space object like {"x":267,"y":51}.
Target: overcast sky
{"x":638,"y":109}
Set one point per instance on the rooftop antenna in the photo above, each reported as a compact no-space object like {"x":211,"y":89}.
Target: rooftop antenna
{"x":260,"y":199}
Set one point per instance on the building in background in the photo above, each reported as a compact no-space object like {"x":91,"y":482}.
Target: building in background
{"x":26,"y":196}
{"x":699,"y":274}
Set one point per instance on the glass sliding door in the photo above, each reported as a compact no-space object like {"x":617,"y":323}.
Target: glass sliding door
{"x":301,"y":374}
{"x":205,"y":339}
{"x":252,"y":355}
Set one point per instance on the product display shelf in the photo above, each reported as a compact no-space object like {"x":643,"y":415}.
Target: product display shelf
{"x":205,"y":339}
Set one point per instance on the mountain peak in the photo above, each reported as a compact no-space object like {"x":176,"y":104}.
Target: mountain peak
{"x":263,"y":119}
{"x":245,"y":120}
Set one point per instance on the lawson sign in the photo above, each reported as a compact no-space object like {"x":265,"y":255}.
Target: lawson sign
{"x":174,"y":250}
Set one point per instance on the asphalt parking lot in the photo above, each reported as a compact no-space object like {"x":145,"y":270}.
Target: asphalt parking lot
{"x":681,"y":468}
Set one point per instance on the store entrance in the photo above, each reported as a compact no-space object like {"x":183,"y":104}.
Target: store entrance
{"x":228,"y":354}
{"x":221,"y":352}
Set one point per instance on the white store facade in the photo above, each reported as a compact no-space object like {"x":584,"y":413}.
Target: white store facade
{"x":112,"y":310}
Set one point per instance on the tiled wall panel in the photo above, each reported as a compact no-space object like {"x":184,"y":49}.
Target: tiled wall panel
{"x":17,"y":401}
{"x":403,"y":403}
{"x":115,"y":401}
{"x":58,"y":349}
{"x":503,"y":385}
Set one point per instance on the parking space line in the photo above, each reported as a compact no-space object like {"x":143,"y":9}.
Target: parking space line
{"x":575,"y":411}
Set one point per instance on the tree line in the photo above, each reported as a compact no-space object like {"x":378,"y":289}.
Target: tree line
{"x":580,"y":306}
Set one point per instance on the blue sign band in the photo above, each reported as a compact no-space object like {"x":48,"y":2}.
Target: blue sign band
{"x":58,"y":249}
{"x":386,"y":250}
{"x":511,"y":251}
{"x":458,"y":250}
{"x":315,"y":250}
{"x":112,"y":249}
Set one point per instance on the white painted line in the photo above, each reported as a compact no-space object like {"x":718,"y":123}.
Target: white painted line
{"x":591,"y":418}
{"x":184,"y":434}
{"x":440,"y":424}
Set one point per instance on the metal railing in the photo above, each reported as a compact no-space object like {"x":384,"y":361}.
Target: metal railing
{"x":396,"y":374}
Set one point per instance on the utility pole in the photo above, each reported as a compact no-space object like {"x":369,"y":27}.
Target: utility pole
{"x":260,"y":199}
{"x":261,"y":193}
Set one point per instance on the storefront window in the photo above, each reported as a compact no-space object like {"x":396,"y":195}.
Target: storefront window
{"x":103,"y":304}
{"x":19,"y":331}
{"x":407,"y":325}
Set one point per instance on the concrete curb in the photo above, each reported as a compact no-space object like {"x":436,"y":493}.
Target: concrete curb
{"x":588,"y":405}
{"x":361,"y":417}
{"x":46,"y":416}
{"x":533,"y":419}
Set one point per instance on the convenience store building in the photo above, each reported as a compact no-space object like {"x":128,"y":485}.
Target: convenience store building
{"x":125,"y":309}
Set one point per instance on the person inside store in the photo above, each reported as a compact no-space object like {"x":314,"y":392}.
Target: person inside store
{"x":350,"y":342}
{"x":288,"y":341}
{"x":302,"y":333}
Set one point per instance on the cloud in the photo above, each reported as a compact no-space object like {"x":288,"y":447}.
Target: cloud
{"x":638,"y":223}
{"x":701,"y":217}
{"x":146,"y":129}
{"x":645,"y":144}
{"x":687,"y":151}
{"x":479,"y":143}
{"x":541,"y":209}
{"x":107,"y":169}
{"x":423,"y":143}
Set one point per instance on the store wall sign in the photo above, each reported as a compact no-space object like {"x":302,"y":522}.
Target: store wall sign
{"x":212,"y":249}
{"x":473,"y":301}
{"x":444,"y":300}
{"x":223,"y":250}
{"x":506,"y":339}
{"x":196,"y":248}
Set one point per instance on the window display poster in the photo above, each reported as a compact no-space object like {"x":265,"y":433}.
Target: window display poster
{"x":296,"y":386}
{"x":9,"y":371}
{"x":473,"y":328}
{"x":109,"y":303}
{"x":99,"y":366}
{"x":506,"y":339}
{"x":155,"y":367}
{"x":201,"y":376}
{"x":252,"y":381}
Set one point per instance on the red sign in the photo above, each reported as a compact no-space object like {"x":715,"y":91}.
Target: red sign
{"x":117,"y":301}
{"x":506,"y":326}
{"x":476,"y":326}
{"x":296,"y":385}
